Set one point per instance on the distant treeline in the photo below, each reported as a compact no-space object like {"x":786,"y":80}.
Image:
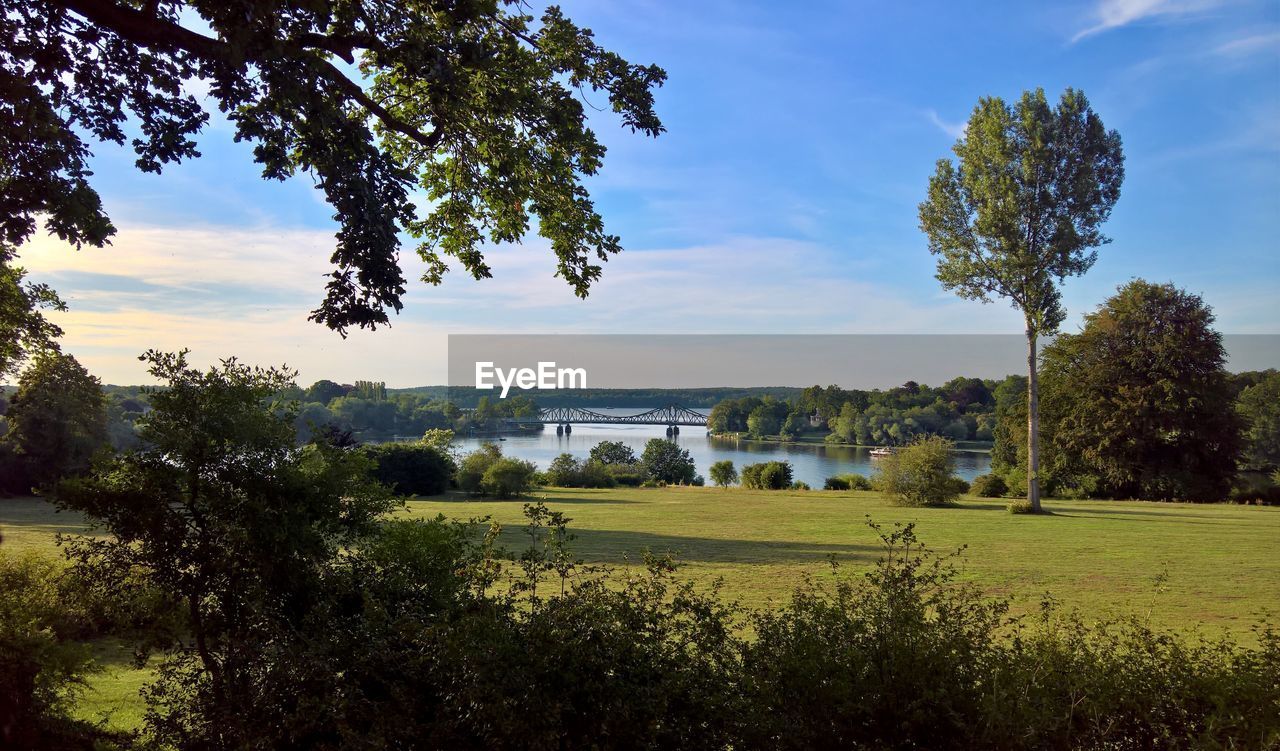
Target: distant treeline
{"x":468,"y":398}
{"x":961,"y":409}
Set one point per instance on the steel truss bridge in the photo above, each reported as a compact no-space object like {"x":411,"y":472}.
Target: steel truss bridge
{"x":669,"y":415}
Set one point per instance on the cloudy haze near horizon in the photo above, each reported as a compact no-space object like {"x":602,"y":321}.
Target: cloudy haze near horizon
{"x":781,"y":200}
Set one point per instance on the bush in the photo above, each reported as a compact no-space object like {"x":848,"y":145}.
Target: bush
{"x":508,"y":478}
{"x":959,"y":485}
{"x":562,"y":472}
{"x":565,"y":471}
{"x":800,"y":485}
{"x":1254,"y":487}
{"x":1020,"y":506}
{"x":667,"y":462}
{"x":627,"y":475}
{"x":849,"y":481}
{"x":723,"y":473}
{"x":767,"y":476}
{"x":471,"y":469}
{"x":910,"y":658}
{"x":989,"y":486}
{"x":42,"y":663}
{"x":410,"y":468}
{"x":920,"y":474}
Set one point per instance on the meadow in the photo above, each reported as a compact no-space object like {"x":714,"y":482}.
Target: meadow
{"x":1186,"y":566}
{"x":1211,"y":568}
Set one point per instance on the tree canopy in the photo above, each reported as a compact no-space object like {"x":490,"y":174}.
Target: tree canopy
{"x":57,"y":421}
{"x":1139,"y":404}
{"x":474,"y":105}
{"x":1024,"y":207}
{"x":1259,"y":407}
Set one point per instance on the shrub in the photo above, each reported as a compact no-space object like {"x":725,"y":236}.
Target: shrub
{"x":508,"y":478}
{"x":627,"y":475}
{"x":667,"y":462}
{"x":919,"y":474}
{"x":848,"y":481}
{"x":471,"y":469}
{"x":800,"y":485}
{"x":1254,"y":487}
{"x":410,"y":468}
{"x":959,"y":485}
{"x":1020,"y":506}
{"x":723,"y":473}
{"x":767,"y":476}
{"x":563,"y":471}
{"x":41,"y":664}
{"x":989,"y":486}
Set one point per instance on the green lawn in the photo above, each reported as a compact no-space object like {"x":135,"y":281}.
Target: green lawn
{"x":1222,"y":560}
{"x":1100,"y":556}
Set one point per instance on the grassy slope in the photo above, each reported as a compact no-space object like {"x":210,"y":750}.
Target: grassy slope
{"x":1099,"y":556}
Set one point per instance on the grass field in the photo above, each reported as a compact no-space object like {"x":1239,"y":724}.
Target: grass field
{"x":1222,"y":561}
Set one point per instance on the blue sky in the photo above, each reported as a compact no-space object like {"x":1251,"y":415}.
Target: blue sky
{"x":782,"y":199}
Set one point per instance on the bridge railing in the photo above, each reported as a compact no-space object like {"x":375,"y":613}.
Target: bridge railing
{"x":671,"y":414}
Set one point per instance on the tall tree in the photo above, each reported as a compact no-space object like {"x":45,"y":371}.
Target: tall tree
{"x":57,"y":419}
{"x":472,"y":103}
{"x":1021,"y":212}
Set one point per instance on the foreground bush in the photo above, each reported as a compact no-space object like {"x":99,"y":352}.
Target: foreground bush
{"x":42,"y":662}
{"x":919,"y":474}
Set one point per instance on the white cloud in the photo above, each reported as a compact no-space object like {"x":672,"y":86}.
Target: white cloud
{"x":1113,"y":14}
{"x":247,"y":292}
{"x":1248,"y":45}
{"x":955,"y":130}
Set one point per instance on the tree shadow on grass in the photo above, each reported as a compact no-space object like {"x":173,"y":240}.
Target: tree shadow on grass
{"x":557,"y":495}
{"x":980,"y":506}
{"x":1152,"y":515}
{"x":614,"y":546}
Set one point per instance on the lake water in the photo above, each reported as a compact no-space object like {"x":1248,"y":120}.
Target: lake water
{"x":812,"y":463}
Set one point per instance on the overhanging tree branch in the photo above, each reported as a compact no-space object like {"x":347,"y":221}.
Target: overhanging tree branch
{"x":150,"y":30}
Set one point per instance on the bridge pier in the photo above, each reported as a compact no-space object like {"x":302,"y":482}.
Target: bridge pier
{"x":559,"y":429}
{"x":673,"y":430}
{"x":568,"y":428}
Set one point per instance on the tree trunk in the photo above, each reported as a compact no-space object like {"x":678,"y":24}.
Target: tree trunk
{"x":1033,"y":424}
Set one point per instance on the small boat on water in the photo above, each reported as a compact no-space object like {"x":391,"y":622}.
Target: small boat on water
{"x":882,"y":451}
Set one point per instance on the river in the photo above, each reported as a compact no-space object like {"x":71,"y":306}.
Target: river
{"x":812,"y":463}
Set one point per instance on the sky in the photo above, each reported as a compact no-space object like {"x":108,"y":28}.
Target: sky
{"x":782,"y":198}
